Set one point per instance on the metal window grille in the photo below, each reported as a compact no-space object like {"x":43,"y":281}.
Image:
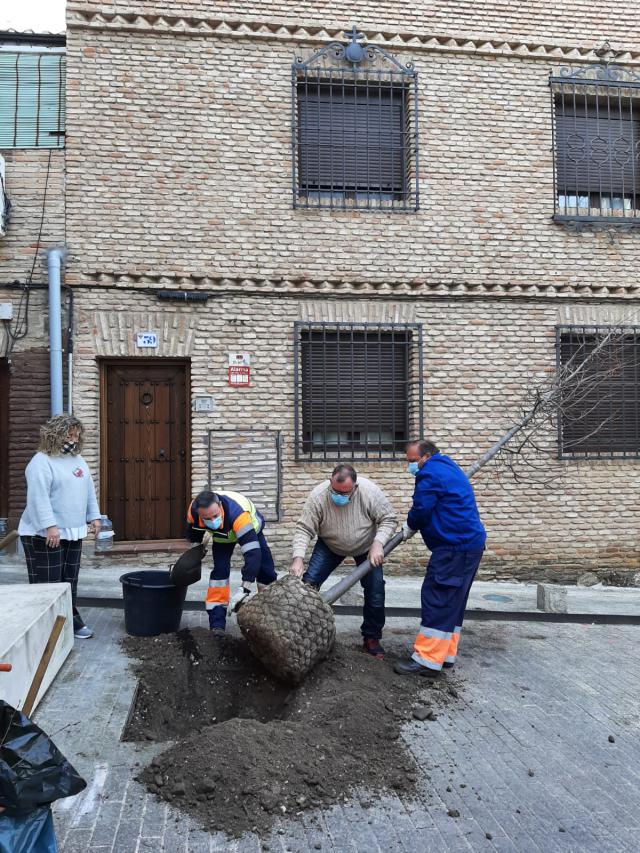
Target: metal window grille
{"x":249,"y":462}
{"x":600,"y":417}
{"x":354,"y":129}
{"x":358,"y":390}
{"x":596,"y":145}
{"x":32,"y":100}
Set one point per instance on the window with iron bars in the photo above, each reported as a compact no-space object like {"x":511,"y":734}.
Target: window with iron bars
{"x":355,"y":142}
{"x":596,"y":113}
{"x":600,"y":412}
{"x":358,"y":390}
{"x":32,"y":100}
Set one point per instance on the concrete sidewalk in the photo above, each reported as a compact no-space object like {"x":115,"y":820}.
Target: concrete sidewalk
{"x":540,"y":753}
{"x":103,"y":582}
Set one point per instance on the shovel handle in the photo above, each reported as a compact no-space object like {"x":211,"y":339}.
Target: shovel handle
{"x":359,"y":572}
{"x":8,"y":539}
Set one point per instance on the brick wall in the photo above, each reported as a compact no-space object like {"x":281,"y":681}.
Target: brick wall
{"x":176,"y":165}
{"x":28,"y":402}
{"x":574,"y":22}
{"x":179,"y":175}
{"x":479,"y":360}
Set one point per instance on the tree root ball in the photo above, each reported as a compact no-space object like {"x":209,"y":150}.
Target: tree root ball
{"x":289,"y":628}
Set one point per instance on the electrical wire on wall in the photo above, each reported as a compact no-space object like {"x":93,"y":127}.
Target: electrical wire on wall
{"x":19,"y":327}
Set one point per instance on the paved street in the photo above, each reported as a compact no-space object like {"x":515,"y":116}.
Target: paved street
{"x":524,"y":755}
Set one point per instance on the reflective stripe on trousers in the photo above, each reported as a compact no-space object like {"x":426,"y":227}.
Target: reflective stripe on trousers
{"x":218,"y":594}
{"x":432,"y":648}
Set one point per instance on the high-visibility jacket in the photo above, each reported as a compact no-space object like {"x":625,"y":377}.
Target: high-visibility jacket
{"x":241,"y":524}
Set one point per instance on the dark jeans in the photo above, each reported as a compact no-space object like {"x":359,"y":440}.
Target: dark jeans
{"x":54,"y":565}
{"x":323,"y":561}
{"x":222,"y":569}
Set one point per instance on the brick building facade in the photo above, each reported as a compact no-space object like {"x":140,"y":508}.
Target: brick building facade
{"x":179,"y":181}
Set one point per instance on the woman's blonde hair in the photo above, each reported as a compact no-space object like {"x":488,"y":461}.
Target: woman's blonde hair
{"x":53,"y":434}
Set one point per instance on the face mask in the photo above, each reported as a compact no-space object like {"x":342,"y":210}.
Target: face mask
{"x":69,"y":446}
{"x":213,"y":523}
{"x":339,"y":500}
{"x":413,"y":468}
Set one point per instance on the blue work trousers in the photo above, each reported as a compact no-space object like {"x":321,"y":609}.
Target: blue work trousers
{"x":323,"y":561}
{"x":219,"y":579}
{"x":444,"y":595}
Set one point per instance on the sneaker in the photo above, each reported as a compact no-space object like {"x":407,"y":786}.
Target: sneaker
{"x":83,"y":633}
{"x":448,"y":665}
{"x":372,"y":647}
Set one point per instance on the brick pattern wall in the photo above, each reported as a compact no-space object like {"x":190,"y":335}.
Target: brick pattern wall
{"x":26,"y":181}
{"x":176,"y":166}
{"x":479,"y":360}
{"x":570,"y":22}
{"x":179,"y":175}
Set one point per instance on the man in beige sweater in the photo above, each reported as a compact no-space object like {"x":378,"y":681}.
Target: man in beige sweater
{"x":351,"y":517}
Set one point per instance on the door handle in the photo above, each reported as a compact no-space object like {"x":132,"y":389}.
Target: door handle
{"x":162,"y":454}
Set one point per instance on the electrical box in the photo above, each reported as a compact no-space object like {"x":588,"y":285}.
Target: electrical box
{"x":6,"y":311}
{"x":204,"y":404}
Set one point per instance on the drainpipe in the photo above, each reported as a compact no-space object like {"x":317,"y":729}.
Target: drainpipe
{"x":55,"y":259}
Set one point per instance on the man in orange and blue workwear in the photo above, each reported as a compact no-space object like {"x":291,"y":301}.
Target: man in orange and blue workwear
{"x":444,"y":511}
{"x":230,"y":519}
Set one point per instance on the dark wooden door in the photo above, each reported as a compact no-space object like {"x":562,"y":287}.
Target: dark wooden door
{"x":4,"y":437}
{"x":146,"y":477}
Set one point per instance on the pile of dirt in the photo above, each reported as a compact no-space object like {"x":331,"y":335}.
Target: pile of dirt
{"x":248,"y":749}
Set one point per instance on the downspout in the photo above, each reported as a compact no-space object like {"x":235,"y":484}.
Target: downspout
{"x":70,"y":331}
{"x":55,"y":259}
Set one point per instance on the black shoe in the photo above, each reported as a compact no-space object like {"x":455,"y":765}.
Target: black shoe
{"x":448,"y":665}
{"x":408,"y":666}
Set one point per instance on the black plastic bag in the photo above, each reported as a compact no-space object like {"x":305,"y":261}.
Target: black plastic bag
{"x":33,"y":771}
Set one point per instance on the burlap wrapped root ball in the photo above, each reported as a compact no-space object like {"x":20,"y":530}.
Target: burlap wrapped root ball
{"x":289,"y":628}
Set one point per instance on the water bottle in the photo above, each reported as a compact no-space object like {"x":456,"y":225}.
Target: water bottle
{"x":104,"y":539}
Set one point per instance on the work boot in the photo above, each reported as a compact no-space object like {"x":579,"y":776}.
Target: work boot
{"x":217,"y":632}
{"x":448,"y":665}
{"x":372,"y":647}
{"x":408,"y":666}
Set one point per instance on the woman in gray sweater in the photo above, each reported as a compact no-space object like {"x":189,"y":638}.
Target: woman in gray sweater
{"x":61,"y":502}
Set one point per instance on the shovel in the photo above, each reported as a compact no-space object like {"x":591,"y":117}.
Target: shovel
{"x":187,"y":569}
{"x":290,"y":627}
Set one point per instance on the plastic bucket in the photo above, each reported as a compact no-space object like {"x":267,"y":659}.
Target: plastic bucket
{"x":152,"y":604}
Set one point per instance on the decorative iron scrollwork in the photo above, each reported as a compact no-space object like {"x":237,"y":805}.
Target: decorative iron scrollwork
{"x":354,"y":54}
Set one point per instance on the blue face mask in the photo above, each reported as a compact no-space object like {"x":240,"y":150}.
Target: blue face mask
{"x":213,"y":523}
{"x":340,"y":500}
{"x":413,"y":468}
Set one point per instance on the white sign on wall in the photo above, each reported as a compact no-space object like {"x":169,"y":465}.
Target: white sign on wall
{"x":239,"y":368}
{"x":146,"y":339}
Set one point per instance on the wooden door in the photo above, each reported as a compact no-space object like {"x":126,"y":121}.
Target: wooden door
{"x":4,"y":437}
{"x":145,"y":448}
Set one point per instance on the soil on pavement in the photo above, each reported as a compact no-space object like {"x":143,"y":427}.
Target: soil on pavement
{"x":247,"y":749}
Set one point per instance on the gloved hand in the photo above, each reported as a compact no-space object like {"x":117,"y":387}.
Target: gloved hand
{"x":237,"y":599}
{"x":407,"y":532}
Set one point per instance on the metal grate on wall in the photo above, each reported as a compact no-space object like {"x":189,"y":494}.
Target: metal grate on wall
{"x":32,"y":100}
{"x":248,"y":461}
{"x":600,"y":413}
{"x":596,"y":145}
{"x":358,"y":390}
{"x":354,"y":129}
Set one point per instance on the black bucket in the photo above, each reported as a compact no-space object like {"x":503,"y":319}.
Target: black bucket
{"x":152,"y":604}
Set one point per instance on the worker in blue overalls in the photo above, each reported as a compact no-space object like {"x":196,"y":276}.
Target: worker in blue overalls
{"x":230,"y":519}
{"x":444,"y":511}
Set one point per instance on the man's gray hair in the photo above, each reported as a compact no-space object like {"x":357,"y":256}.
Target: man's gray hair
{"x":343,"y":471}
